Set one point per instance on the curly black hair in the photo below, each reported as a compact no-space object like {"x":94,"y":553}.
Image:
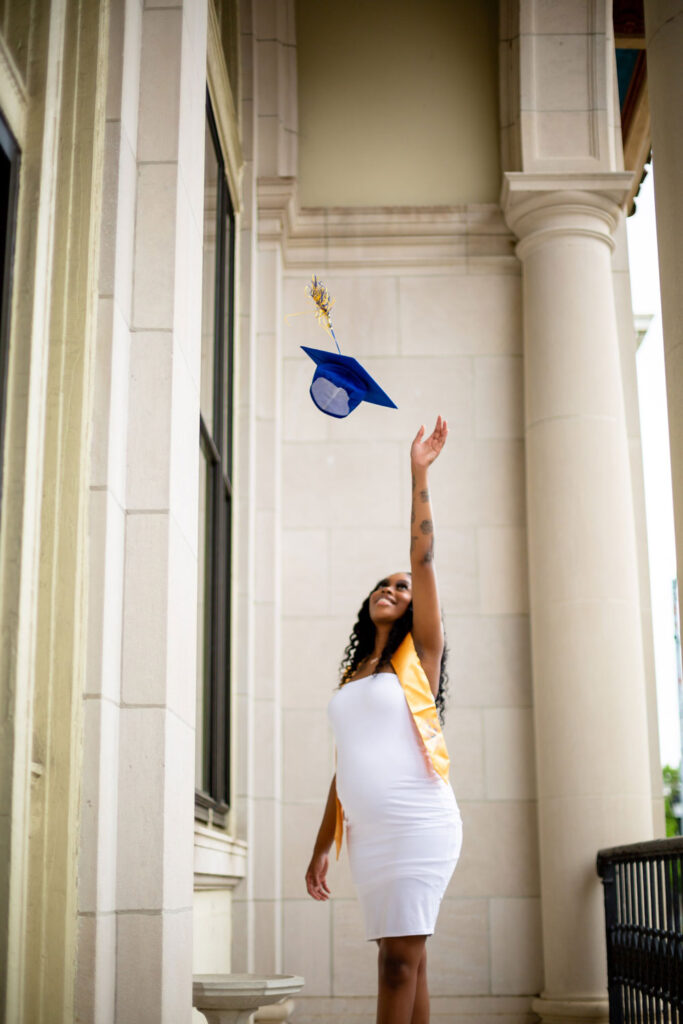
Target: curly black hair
{"x":362,"y":642}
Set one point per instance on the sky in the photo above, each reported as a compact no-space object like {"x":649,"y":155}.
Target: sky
{"x":642,"y":247}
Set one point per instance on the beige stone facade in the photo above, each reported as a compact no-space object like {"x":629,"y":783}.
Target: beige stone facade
{"x":457,"y":179}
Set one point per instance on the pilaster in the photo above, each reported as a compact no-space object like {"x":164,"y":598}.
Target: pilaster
{"x":269,"y":123}
{"x":136,"y":896}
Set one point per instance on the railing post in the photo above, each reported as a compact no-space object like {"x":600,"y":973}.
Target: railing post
{"x":607,"y":870}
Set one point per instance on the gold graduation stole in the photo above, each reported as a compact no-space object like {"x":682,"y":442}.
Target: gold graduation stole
{"x":413,"y":679}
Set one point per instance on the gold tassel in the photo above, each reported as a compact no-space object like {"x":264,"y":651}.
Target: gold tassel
{"x":324,"y":303}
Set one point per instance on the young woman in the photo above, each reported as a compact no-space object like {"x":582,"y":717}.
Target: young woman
{"x":403,"y":826}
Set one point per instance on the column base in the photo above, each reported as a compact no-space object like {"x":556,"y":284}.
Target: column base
{"x":571,"y":1011}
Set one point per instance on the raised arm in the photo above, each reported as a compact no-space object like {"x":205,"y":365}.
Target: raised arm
{"x":427,"y":628}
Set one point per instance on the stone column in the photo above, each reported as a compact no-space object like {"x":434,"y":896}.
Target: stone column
{"x":589,"y":684}
{"x":664,"y":28}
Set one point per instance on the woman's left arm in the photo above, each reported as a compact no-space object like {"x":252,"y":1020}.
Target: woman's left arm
{"x":427,"y":628}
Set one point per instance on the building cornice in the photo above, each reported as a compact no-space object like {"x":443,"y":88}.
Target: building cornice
{"x":381,"y":235}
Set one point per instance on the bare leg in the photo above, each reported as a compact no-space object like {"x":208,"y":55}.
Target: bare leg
{"x":398,"y":965}
{"x":421,"y":1007}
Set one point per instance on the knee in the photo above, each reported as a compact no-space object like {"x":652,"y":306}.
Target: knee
{"x":395,"y":969}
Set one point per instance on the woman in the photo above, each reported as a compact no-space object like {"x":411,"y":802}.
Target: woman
{"x":402,"y":822}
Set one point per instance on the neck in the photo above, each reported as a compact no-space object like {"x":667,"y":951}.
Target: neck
{"x":381,"y":637}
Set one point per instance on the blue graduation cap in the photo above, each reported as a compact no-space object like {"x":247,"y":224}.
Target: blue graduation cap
{"x":339,"y":383}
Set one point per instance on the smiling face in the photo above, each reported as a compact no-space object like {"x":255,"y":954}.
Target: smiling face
{"x":390,"y":598}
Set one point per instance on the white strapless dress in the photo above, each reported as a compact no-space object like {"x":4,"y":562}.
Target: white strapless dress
{"x":403,"y":826}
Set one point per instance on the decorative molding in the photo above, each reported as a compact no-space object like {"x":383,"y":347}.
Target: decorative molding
{"x":377,"y":236}
{"x":224,"y":110}
{"x":519,"y":185}
{"x":220,"y":861}
{"x":538,"y":206}
{"x":13,"y":96}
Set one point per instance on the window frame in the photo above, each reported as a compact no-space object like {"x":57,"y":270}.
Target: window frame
{"x":213,"y":803}
{"x":12,"y":152}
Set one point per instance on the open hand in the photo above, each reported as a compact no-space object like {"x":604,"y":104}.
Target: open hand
{"x":316,"y":877}
{"x":424,"y":450}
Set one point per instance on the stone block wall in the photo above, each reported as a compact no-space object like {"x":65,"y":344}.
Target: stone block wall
{"x":440,"y":339}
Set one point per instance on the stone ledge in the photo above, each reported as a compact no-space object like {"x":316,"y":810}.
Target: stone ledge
{"x":220,"y":861}
{"x":519,"y":185}
{"x":381,"y":235}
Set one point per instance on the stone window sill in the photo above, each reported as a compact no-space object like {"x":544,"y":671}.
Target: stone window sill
{"x":220,"y":861}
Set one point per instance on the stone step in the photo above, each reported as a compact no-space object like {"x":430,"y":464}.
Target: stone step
{"x":345,"y":1018}
{"x":444,"y":1010}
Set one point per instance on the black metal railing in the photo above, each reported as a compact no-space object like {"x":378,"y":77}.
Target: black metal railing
{"x":643,"y":886}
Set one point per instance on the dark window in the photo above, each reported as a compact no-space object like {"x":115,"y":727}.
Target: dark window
{"x":9,"y":179}
{"x":212,"y":762}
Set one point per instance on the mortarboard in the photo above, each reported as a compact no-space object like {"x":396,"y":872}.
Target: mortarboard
{"x":339,"y":383}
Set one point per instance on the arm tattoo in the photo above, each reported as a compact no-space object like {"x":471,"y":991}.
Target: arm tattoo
{"x":426,"y":526}
{"x":424,"y":495}
{"x":429,"y":554}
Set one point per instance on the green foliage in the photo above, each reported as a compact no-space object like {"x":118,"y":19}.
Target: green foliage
{"x":671,"y":778}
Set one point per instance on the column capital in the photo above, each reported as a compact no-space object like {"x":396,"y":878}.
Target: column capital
{"x":538,"y":207}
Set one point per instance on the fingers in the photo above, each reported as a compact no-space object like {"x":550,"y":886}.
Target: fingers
{"x":440,"y":431}
{"x":317,"y":886}
{"x":317,"y":893}
{"x":429,"y":447}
